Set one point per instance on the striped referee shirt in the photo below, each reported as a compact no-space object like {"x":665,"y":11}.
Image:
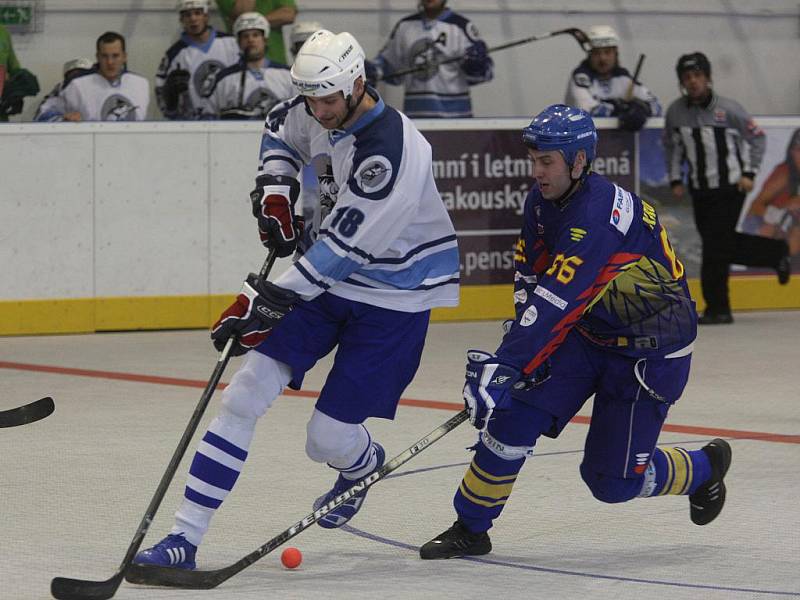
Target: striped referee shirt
{"x":719,"y":141}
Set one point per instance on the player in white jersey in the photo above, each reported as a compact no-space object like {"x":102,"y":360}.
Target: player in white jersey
{"x":110,"y":93}
{"x":189,"y":69}
{"x":601,"y":87}
{"x":432,"y":35}
{"x":250,"y":88}
{"x":382,"y":258}
{"x":52,"y":107}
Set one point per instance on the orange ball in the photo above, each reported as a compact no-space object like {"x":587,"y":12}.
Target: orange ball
{"x":291,"y":558}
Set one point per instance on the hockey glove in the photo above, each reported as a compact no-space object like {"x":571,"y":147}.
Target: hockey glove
{"x":476,"y":60}
{"x":632,"y":115}
{"x":273,"y":205}
{"x":258,"y":307}
{"x":177,"y":83}
{"x":487,"y":388}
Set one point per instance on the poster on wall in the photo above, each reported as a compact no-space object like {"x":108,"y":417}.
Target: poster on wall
{"x":772,"y":209}
{"x":484,"y":176}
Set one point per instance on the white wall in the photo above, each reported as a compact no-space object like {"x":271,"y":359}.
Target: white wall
{"x":111,"y":209}
{"x":753,"y":46}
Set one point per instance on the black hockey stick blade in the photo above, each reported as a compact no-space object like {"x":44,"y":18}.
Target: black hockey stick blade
{"x":65,"y":588}
{"x":204,"y":580}
{"x":22,"y":415}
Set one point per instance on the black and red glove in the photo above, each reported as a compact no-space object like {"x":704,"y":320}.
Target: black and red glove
{"x":258,"y":307}
{"x":273,"y":205}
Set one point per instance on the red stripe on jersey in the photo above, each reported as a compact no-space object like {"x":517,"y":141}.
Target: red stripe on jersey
{"x":614,"y":267}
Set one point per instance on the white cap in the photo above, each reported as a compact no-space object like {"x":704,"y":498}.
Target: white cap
{"x":328,"y":63}
{"x":302,"y":31}
{"x":77,"y":63}
{"x":251,"y":20}
{"x":192,"y":4}
{"x":602,"y":36}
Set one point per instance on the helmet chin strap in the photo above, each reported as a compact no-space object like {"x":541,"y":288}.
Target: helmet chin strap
{"x":562,"y":201}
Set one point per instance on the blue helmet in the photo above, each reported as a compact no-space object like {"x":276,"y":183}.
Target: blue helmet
{"x":563,"y":128}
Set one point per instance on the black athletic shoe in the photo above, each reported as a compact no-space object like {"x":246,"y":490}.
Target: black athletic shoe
{"x":715,"y":319}
{"x":456,"y":541}
{"x":707,"y":502}
{"x":784,"y":270}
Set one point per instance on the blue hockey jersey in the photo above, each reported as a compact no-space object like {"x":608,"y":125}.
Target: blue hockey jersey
{"x":604,"y":265}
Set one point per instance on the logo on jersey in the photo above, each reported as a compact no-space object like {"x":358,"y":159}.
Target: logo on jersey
{"x":205,"y":76}
{"x":520,"y":297}
{"x":374,"y":174}
{"x":622,"y":210}
{"x":552,"y":298}
{"x":720,"y":116}
{"x":642,"y":460}
{"x":576,"y":234}
{"x":529,"y":317}
{"x":328,"y":190}
{"x":425,"y":55}
{"x":118,"y":108}
{"x":262,"y":100}
{"x":582,"y":80}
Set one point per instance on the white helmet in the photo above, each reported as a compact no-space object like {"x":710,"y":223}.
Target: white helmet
{"x":77,"y":63}
{"x":602,"y":36}
{"x":328,"y":63}
{"x":302,"y":31}
{"x":193,"y":4}
{"x":251,"y":20}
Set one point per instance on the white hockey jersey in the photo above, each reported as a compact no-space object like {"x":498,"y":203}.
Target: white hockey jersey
{"x":97,"y":99}
{"x":250,"y":92}
{"x":203,"y":62}
{"x":438,"y":91}
{"x":52,"y":107}
{"x":591,"y":93}
{"x":387,"y":240}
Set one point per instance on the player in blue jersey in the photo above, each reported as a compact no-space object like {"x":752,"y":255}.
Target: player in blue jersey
{"x":379,"y":253}
{"x":603,"y":309}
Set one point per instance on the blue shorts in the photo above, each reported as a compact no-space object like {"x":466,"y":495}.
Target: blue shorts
{"x":377,"y":357}
{"x":626,"y":420}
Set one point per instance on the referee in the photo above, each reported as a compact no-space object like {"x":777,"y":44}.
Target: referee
{"x":722,"y":147}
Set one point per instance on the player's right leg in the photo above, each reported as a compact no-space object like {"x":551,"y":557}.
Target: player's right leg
{"x":219,"y":458}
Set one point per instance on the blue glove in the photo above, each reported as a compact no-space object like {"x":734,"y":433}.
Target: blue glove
{"x":476,"y":60}
{"x":487,"y":387}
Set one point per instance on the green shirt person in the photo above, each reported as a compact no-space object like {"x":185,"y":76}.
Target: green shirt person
{"x":277,"y":12}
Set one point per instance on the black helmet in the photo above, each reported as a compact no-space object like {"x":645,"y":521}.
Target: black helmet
{"x":696,"y":61}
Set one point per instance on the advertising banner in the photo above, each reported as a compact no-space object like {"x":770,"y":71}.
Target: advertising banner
{"x":484,"y":177}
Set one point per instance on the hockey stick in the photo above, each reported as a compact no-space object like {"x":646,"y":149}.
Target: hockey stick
{"x":635,"y":78}
{"x":576,"y":33}
{"x":22,"y":415}
{"x":64,"y":588}
{"x":204,"y":580}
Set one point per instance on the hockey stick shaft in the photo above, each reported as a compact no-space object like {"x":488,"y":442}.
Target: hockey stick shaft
{"x":65,"y":588}
{"x":29,"y":413}
{"x":165,"y":576}
{"x":576,"y":33}
{"x":635,"y":78}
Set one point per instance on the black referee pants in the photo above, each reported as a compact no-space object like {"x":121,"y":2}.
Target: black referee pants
{"x":715,"y":214}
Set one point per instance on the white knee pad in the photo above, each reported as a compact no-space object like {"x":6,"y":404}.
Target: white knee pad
{"x":331,"y":441}
{"x":255,"y":386}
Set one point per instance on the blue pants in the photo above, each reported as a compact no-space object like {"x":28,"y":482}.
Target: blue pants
{"x":377,"y":357}
{"x":625,"y":425}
